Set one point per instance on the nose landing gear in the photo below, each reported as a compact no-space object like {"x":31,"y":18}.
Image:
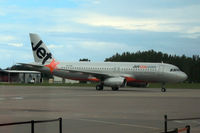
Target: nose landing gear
{"x":163,"y":89}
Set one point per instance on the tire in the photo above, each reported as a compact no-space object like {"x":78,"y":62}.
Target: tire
{"x":115,"y":88}
{"x":163,"y":89}
{"x":99,"y":87}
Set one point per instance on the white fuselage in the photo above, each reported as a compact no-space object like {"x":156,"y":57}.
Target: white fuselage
{"x":136,"y":71}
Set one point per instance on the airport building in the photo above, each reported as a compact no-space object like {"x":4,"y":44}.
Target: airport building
{"x":15,"y":76}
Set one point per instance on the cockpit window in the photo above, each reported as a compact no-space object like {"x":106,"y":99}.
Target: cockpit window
{"x":174,"y":70}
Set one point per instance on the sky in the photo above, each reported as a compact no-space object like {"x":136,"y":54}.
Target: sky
{"x":98,"y":29}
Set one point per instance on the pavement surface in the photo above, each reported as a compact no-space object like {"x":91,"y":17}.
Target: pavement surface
{"x":85,"y":110}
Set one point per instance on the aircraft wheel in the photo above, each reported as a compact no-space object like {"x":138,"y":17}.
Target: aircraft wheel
{"x":99,"y":87}
{"x":115,"y":88}
{"x":163,"y":89}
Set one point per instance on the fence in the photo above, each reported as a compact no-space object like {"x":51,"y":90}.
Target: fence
{"x":32,"y":122}
{"x":186,"y":128}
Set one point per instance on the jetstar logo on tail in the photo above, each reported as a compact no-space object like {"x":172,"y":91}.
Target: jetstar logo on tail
{"x":53,"y":65}
{"x":41,"y":52}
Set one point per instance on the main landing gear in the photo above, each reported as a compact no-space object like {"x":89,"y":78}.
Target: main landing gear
{"x":115,"y":88}
{"x":100,"y":88}
{"x":163,"y":89}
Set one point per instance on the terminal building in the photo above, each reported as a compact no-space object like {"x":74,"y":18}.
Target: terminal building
{"x":16,"y":76}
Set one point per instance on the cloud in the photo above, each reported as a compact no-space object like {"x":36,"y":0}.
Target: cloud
{"x":65,"y":28}
{"x":11,"y":57}
{"x":2,"y":13}
{"x":192,"y":33}
{"x":52,"y":46}
{"x":16,"y":44}
{"x":96,"y":1}
{"x":125,"y":23}
{"x":100,"y":28}
{"x":91,"y":49}
{"x":64,"y":20}
{"x":190,"y":36}
{"x":89,"y":1}
{"x":105,"y":46}
{"x":195,"y":29}
{"x":6,"y":38}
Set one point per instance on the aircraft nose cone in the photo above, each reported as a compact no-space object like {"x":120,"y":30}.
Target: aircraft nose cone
{"x":183,"y":76}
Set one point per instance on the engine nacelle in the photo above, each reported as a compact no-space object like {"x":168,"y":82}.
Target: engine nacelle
{"x":115,"y":82}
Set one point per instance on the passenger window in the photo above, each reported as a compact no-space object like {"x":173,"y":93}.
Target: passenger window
{"x":174,"y":70}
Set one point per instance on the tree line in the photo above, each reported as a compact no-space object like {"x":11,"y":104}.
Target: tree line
{"x":189,"y":65}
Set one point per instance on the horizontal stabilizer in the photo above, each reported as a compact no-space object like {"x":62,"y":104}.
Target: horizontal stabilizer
{"x":31,"y":65}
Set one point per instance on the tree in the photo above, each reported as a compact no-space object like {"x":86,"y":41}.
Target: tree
{"x":190,"y":65}
{"x":84,"y":59}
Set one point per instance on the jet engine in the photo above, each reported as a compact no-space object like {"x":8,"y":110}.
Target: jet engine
{"x":115,"y":82}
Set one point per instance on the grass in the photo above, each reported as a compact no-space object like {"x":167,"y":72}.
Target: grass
{"x":151,"y":85}
{"x":177,"y":85}
{"x":51,"y":84}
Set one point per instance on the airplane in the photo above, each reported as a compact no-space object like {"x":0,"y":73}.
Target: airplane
{"x":112,"y":74}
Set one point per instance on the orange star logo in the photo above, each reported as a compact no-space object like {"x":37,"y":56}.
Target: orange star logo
{"x":53,"y":65}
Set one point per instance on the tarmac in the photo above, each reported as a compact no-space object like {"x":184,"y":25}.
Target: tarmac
{"x":85,"y":110}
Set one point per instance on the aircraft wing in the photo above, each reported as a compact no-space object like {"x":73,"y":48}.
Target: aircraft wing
{"x":31,"y":65}
{"x":95,"y":74}
{"x":99,"y":75}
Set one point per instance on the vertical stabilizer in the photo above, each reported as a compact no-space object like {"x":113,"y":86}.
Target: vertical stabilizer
{"x":41,"y":53}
